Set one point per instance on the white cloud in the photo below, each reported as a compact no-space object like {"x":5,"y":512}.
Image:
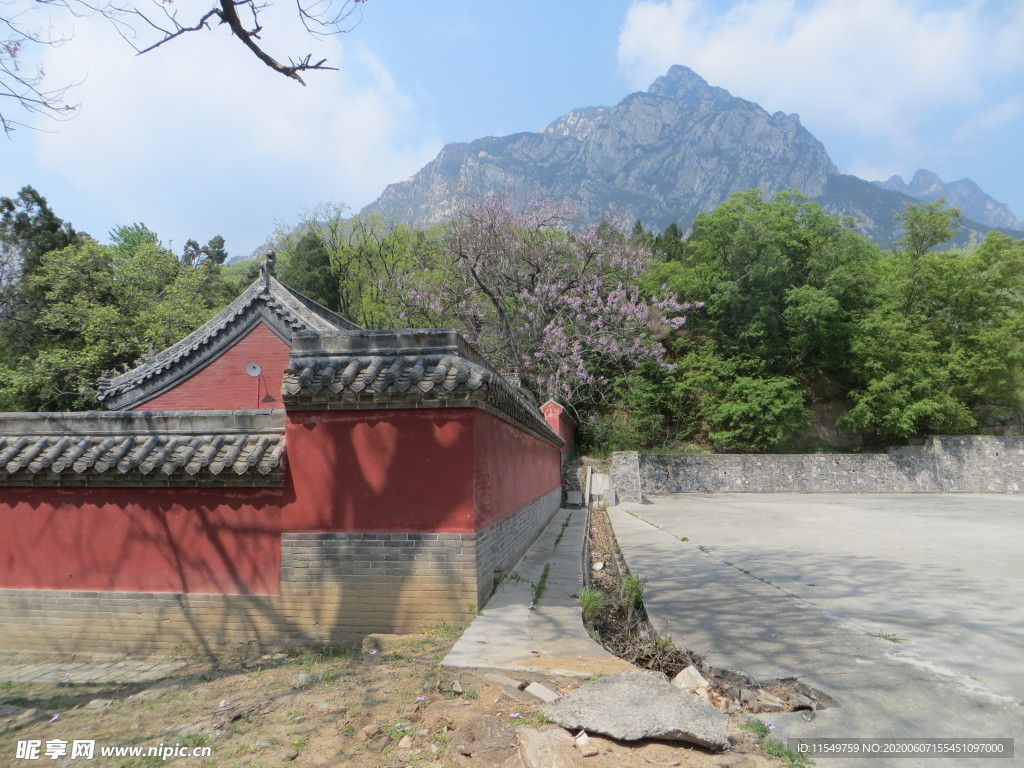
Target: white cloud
{"x":199,"y":138}
{"x":880,"y":68}
{"x":992,"y":118}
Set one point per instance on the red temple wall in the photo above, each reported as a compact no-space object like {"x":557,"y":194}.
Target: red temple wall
{"x":434,"y":470}
{"x":513,"y":469}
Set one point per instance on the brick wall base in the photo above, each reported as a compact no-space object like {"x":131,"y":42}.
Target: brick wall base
{"x":499,"y":546}
{"x":335,"y":588}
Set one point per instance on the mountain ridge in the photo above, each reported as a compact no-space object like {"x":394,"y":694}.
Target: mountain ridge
{"x":664,"y":155}
{"x":965,"y":194}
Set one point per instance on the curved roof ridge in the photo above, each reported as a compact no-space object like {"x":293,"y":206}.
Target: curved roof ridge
{"x":286,"y":310}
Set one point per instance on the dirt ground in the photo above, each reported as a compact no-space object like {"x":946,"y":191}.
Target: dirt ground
{"x":372,"y":707}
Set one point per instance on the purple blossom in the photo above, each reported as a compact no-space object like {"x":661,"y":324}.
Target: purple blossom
{"x":551,"y":301}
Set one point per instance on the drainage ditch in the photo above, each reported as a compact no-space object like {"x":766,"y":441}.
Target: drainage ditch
{"x":614,"y":615}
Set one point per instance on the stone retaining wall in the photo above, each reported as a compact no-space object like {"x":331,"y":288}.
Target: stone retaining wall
{"x":965,"y":464}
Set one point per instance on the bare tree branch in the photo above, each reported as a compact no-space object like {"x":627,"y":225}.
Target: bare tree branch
{"x":134,"y":21}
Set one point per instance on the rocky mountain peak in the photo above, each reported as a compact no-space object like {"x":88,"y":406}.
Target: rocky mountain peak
{"x":680,"y":81}
{"x":966,"y":195}
{"x":662,"y":156}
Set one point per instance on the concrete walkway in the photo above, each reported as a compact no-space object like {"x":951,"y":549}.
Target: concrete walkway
{"x":547,"y":643}
{"x":730,"y":593}
{"x":87,"y":673}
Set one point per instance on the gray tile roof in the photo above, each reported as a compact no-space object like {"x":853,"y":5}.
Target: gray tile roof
{"x":191,"y":448}
{"x":403,"y":369}
{"x":284,"y":310}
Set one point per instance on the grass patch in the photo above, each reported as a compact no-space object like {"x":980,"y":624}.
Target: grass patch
{"x":310,"y":657}
{"x":632,"y":587}
{"x":774,"y":747}
{"x":592,"y":602}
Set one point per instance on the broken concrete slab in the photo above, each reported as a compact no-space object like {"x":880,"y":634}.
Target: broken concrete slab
{"x":689,"y":679}
{"x":633,"y":705}
{"x":540,"y":692}
{"x":503,"y":680}
{"x":545,"y":748}
{"x":514,"y":694}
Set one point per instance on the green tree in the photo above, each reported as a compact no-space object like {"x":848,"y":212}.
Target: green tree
{"x":213,"y":252}
{"x":103,"y":307}
{"x":359,"y":266}
{"x":28,"y":229}
{"x":670,"y":245}
{"x":926,"y":225}
{"x":940,"y":351}
{"x":308,"y":270}
{"x":781,"y":281}
{"x":782,"y":284}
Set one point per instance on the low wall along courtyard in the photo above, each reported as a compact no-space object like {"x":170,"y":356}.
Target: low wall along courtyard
{"x":401,"y":474}
{"x":967,"y":464}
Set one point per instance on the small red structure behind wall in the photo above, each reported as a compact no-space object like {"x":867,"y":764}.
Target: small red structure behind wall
{"x":231,"y":381}
{"x":561,"y":424}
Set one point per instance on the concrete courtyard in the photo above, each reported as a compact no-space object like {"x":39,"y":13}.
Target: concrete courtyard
{"x":907,"y":608}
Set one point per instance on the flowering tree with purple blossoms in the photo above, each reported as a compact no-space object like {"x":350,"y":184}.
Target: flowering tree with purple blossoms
{"x":558,"y":307}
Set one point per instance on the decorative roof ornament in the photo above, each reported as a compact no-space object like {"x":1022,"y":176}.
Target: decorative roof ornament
{"x":268,"y":269}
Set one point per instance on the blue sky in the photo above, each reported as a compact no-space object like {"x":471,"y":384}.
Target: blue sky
{"x":198,"y":138}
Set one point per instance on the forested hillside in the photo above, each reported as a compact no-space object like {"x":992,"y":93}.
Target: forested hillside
{"x":726,"y":339}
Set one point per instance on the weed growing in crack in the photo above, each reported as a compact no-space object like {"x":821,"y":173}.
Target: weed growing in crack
{"x":561,"y":533}
{"x":892,"y":638}
{"x":757,"y":728}
{"x":541,"y":586}
{"x":774,"y":747}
